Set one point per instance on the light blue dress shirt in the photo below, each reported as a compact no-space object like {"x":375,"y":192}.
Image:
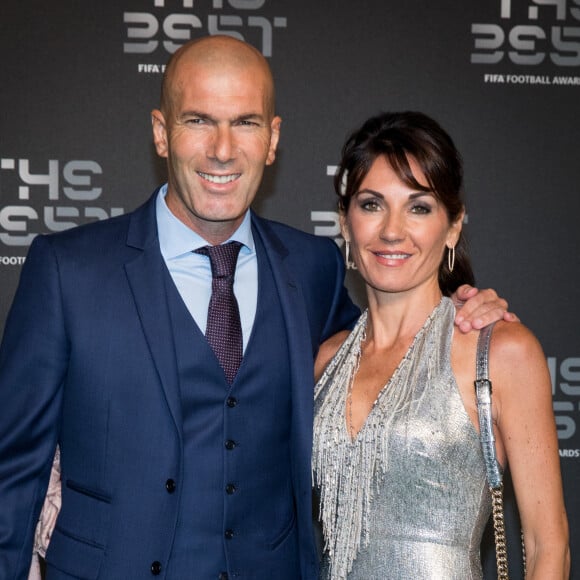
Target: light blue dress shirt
{"x":191,"y":272}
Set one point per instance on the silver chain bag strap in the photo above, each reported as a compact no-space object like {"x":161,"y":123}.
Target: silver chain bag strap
{"x":494,"y":475}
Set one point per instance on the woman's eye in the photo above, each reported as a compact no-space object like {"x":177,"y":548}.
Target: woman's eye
{"x":369,"y":205}
{"x":421,"y":209}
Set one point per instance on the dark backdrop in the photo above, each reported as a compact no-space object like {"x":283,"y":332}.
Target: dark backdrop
{"x":78,"y":80}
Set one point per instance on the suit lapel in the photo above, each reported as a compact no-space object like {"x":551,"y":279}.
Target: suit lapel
{"x":147,"y":275}
{"x":291,"y":299}
{"x":299,"y":342}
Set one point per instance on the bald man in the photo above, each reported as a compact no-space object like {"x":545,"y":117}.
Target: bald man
{"x":171,"y":467}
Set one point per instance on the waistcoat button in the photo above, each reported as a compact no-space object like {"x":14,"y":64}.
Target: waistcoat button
{"x":230,"y":488}
{"x":170,"y":486}
{"x":229,"y":534}
{"x":231,"y":402}
{"x":230,"y":444}
{"x":156,"y":568}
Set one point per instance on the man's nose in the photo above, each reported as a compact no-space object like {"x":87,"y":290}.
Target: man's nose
{"x":223,"y":144}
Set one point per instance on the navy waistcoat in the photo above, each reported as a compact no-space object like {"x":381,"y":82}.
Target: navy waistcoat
{"x":237,"y":516}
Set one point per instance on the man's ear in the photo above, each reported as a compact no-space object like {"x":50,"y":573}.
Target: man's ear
{"x":159,"y":132}
{"x":274,"y":138}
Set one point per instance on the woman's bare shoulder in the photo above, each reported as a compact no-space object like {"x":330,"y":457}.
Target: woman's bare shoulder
{"x":514,"y":348}
{"x":327,"y":350}
{"x":520,"y":374}
{"x":514,"y":343}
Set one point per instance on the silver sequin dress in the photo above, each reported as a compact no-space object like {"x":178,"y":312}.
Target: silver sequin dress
{"x":408,"y":498}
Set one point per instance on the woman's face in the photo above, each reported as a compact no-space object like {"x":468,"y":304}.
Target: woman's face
{"x":398,"y":235}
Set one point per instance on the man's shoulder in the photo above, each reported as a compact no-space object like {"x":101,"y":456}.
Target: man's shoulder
{"x":291,"y":235}
{"x":315,"y":259}
{"x":96,"y":240}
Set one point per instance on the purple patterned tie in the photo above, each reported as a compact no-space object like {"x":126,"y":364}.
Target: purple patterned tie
{"x":224,"y":330}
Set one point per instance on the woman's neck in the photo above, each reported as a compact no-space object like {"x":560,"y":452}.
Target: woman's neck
{"x":394,"y":316}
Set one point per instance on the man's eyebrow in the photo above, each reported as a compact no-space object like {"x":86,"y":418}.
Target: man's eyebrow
{"x":209,"y":117}
{"x":249,"y":116}
{"x":194,"y":113}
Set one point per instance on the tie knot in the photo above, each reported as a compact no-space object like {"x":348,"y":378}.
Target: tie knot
{"x":223,"y":258}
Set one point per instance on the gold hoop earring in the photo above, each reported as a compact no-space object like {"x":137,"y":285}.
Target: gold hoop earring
{"x":349,"y":264}
{"x":451,"y":258}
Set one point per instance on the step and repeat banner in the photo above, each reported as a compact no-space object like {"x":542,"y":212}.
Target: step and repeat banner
{"x":79,"y":80}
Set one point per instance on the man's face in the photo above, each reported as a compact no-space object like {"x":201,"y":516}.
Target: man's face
{"x":218,"y":136}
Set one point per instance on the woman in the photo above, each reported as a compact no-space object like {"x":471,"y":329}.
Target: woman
{"x":397,"y":460}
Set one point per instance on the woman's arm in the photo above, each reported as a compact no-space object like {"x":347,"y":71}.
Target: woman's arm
{"x":523,"y":398}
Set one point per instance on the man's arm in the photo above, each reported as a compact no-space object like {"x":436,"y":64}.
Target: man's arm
{"x":478,"y":308}
{"x":33,"y":359}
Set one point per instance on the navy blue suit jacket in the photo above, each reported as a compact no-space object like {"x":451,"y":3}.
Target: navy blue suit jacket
{"x":88,"y":362}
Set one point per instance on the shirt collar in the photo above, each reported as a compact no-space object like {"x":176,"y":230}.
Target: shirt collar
{"x":176,"y":239}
